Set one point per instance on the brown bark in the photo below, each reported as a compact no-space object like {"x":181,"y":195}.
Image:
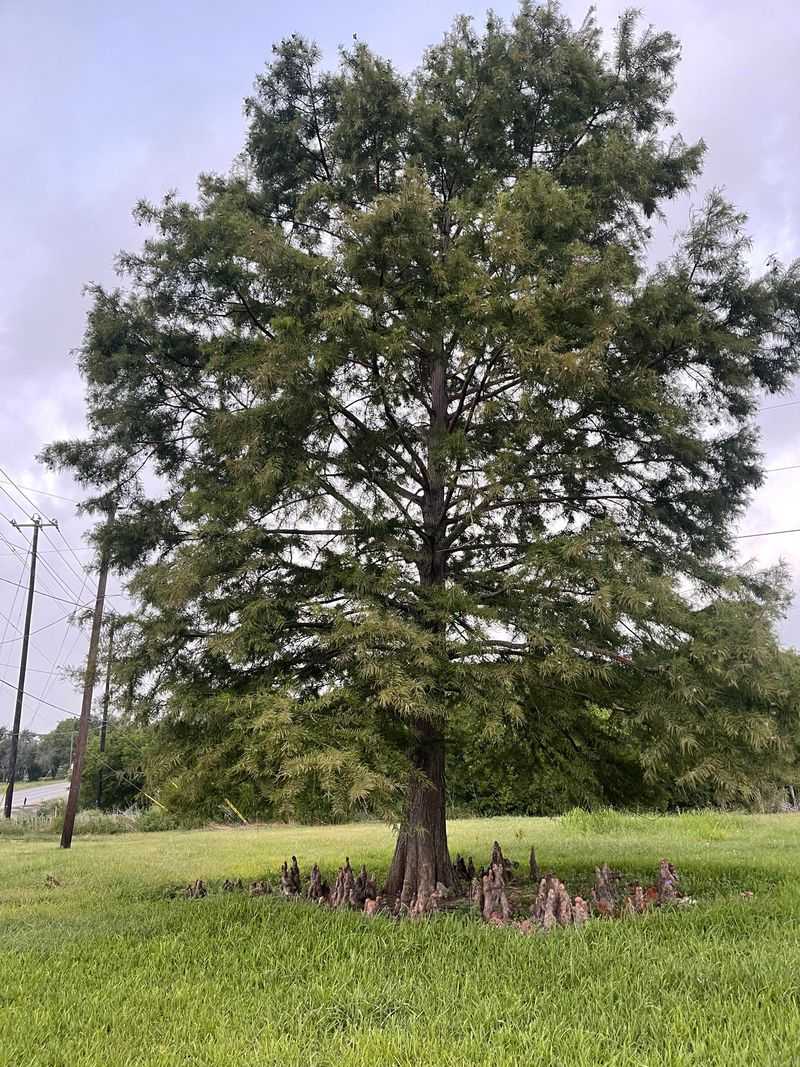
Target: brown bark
{"x":290,"y":879}
{"x":552,"y":906}
{"x":667,"y":883}
{"x":341,"y":895}
{"x":635,"y":903}
{"x":580,"y":911}
{"x":606,"y":892}
{"x":476,"y":892}
{"x":496,"y":907}
{"x":318,"y":889}
{"x":364,"y":889}
{"x":499,"y":860}
{"x":421,"y":858}
{"x":533,"y":866}
{"x":260,"y":888}
{"x":464,"y":872}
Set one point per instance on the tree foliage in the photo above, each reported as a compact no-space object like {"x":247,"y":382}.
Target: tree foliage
{"x":29,"y":762}
{"x":432,"y":444}
{"x":39,"y":755}
{"x":121,"y":770}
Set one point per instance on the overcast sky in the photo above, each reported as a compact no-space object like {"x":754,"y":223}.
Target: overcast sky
{"x":105,"y":102}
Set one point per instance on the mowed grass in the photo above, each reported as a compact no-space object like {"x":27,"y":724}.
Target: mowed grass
{"x":105,"y":971}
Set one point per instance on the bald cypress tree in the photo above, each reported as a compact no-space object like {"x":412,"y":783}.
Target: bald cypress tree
{"x":430,"y":435}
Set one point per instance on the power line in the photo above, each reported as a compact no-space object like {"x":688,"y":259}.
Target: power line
{"x":766,"y":533}
{"x":15,"y":549}
{"x":14,"y":626}
{"x":11,"y":685}
{"x":51,"y":677}
{"x":11,"y":772}
{"x":45,"y":562}
{"x":14,"y":601}
{"x":37,"y":670}
{"x":56,"y":551}
{"x":84,"y":575}
{"x":54,"y":663}
{"x":31,"y":516}
{"x":47,"y":625}
{"x":45,"y":492}
{"x":788,"y":404}
{"x":6,"y":477}
{"x":60,"y":581}
{"x":71,"y":549}
{"x":77,"y":574}
{"x":50,"y":596}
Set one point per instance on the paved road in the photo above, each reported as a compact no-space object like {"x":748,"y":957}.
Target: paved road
{"x":28,"y":796}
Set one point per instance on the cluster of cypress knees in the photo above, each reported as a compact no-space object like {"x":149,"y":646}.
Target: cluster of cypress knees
{"x":491,"y":890}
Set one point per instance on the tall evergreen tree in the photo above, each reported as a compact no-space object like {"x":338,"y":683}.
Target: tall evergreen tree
{"x":428,"y":433}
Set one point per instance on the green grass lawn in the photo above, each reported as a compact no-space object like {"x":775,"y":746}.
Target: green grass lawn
{"x":104,"y":970}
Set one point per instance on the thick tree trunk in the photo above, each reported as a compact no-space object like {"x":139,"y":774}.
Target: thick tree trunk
{"x":421,"y":857}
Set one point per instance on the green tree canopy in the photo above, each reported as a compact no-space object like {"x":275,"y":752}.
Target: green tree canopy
{"x":403,"y":425}
{"x":55,"y":748}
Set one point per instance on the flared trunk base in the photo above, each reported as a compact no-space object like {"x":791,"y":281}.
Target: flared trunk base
{"x":421,"y":858}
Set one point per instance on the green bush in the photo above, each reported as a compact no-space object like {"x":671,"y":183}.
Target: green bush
{"x":153,"y":820}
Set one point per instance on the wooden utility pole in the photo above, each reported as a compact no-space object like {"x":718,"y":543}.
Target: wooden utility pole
{"x":37,"y":524}
{"x":86,"y":705}
{"x":106,"y":699}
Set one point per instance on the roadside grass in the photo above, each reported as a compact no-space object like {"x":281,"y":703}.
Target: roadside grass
{"x":47,"y":818}
{"x":103,"y":970}
{"x":35,"y":785}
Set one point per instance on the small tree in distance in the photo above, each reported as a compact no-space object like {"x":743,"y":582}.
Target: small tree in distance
{"x":430,"y":435}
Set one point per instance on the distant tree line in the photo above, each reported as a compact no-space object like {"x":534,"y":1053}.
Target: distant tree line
{"x":120,"y":769}
{"x":39,"y":755}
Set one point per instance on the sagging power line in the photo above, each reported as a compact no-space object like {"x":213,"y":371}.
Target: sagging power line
{"x":37,"y":525}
